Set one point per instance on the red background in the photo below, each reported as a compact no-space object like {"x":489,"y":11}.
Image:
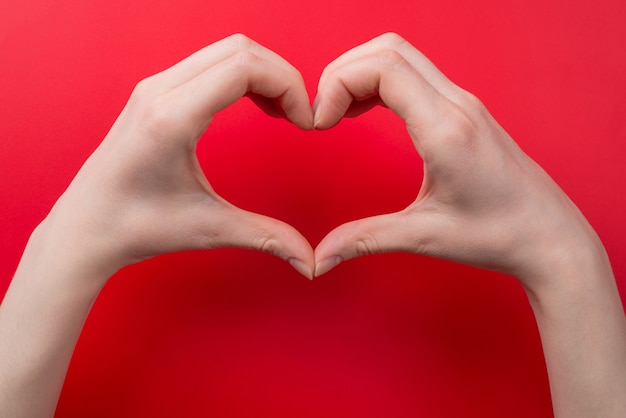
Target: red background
{"x":239,"y":333}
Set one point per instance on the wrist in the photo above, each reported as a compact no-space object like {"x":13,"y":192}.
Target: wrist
{"x":561,"y":254}
{"x":569,"y":275}
{"x":41,"y":317}
{"x":67,"y":255}
{"x":581,"y":322}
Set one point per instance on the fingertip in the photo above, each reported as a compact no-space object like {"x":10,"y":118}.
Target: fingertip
{"x":316,"y":103}
{"x":310,"y":125}
{"x":304,"y":124}
{"x":330,"y":106}
{"x":301,"y":267}
{"x":322,"y":121}
{"x":300,"y":115}
{"x":244,"y":229}
{"x":374,"y":235}
{"x":317,"y":118}
{"x":326,"y":265}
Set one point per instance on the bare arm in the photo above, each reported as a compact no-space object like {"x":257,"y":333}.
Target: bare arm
{"x":140,"y":194}
{"x":484,"y":202}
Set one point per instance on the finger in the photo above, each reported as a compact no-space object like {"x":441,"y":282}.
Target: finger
{"x":267,"y":105}
{"x":193,"y":104}
{"x":388,"y":75}
{"x":394,"y":42}
{"x":358,"y":107}
{"x":213,"y":54}
{"x":232,"y":227}
{"x":395,"y":232}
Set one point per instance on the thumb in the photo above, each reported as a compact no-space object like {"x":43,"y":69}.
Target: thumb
{"x":244,"y":229}
{"x":396,"y":232}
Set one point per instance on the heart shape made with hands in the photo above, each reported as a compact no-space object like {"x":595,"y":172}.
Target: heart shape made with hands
{"x":474,"y":174}
{"x":386,"y":71}
{"x":337,"y":98}
{"x":354,"y":146}
{"x":339,"y":236}
{"x":146,"y":170}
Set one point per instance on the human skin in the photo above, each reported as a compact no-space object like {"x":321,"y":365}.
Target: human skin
{"x":140,"y":194}
{"x":483,"y":202}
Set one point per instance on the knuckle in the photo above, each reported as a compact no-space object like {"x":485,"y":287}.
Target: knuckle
{"x":244,"y":60}
{"x":470,"y":101}
{"x":459,"y":129}
{"x":267,"y":244}
{"x":366,"y":245}
{"x":157,"y":115}
{"x":143,"y":89}
{"x":241,"y":42}
{"x":391,"y":58}
{"x":392,"y":39}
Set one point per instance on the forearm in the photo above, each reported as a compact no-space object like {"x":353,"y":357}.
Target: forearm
{"x":583,"y":332}
{"x":41,"y":318}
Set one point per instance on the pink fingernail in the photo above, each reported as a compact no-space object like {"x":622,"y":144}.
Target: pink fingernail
{"x":327,"y":265}
{"x":301,"y":268}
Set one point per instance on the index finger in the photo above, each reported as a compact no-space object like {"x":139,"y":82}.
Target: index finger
{"x":213,"y":54}
{"x":192,"y":105}
{"x":386,"y":74}
{"x":394,"y":42}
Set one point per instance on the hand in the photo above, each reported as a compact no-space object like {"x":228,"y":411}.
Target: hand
{"x":482,"y":202}
{"x":143,"y":193}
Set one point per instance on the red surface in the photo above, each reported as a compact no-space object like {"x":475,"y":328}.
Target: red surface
{"x":238,"y":333}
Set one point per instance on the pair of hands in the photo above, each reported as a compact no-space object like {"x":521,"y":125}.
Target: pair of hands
{"x":482,"y":202}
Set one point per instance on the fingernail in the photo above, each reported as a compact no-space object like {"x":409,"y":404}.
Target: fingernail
{"x":316,"y":102}
{"x":326,"y":265}
{"x":318,"y":116}
{"x":301,"y":268}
